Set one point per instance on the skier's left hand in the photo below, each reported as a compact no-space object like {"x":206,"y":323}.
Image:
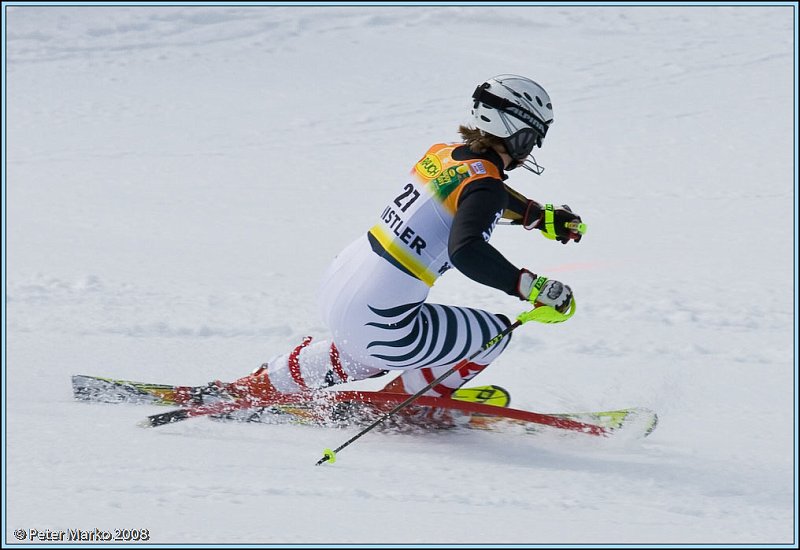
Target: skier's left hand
{"x":542,"y":291}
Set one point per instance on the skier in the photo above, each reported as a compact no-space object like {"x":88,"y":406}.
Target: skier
{"x":373,"y":296}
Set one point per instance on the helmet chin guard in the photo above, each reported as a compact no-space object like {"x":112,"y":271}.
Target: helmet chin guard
{"x":528,"y":164}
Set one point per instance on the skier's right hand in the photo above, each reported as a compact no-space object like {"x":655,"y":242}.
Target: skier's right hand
{"x":541,"y":291}
{"x":536,"y":216}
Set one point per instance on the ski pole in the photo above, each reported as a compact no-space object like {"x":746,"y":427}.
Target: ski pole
{"x":541,"y":314}
{"x":575,"y":227}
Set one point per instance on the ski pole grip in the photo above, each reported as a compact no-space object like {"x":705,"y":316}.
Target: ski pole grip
{"x":549,"y":224}
{"x":547,"y":314}
{"x":577,"y":227}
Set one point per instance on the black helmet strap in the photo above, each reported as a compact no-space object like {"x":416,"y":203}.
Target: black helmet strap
{"x":483,"y":95}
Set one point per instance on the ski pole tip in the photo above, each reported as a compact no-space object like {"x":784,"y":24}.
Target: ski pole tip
{"x":327,"y":456}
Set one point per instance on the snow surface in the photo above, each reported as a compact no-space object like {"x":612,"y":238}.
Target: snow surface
{"x":178,"y":178}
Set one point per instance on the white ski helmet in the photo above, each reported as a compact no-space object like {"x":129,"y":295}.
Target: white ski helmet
{"x":513,"y":108}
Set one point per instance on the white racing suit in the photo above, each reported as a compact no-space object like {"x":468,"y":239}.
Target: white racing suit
{"x":373,"y":296}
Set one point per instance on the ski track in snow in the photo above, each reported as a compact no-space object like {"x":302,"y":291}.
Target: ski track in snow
{"x":179,"y":177}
